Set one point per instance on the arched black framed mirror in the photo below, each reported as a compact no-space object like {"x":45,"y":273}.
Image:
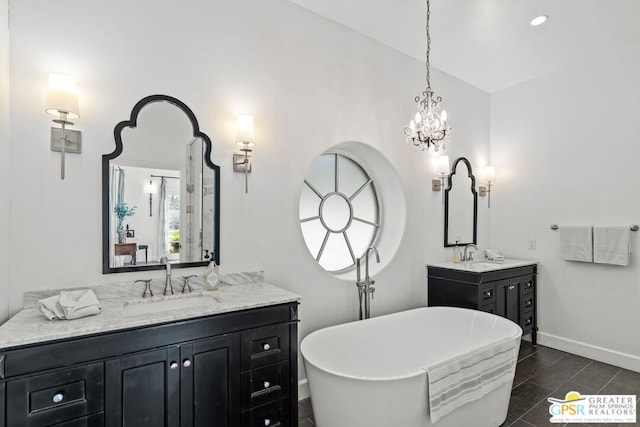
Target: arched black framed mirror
{"x":461,"y":205}
{"x":160,"y":191}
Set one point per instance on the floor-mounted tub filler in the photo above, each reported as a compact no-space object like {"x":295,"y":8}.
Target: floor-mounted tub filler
{"x":441,"y":366}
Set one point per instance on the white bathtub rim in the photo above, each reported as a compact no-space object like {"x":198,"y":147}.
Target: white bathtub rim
{"x":421,"y":371}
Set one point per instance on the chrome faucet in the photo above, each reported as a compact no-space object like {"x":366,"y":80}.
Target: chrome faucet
{"x":365,"y":287}
{"x":468,"y":257}
{"x":168,"y":289}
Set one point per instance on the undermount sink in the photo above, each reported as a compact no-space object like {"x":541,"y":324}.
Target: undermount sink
{"x":169,"y":303}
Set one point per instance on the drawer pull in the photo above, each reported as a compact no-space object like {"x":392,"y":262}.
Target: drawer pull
{"x":58,"y":397}
{"x":527,"y":285}
{"x":267,"y":384}
{"x":173,"y":365}
{"x":186,"y":363}
{"x":267,"y":421}
{"x":528,"y":321}
{"x":266,"y":347}
{"x":511,"y":287}
{"x":487,"y":294}
{"x":528,"y":303}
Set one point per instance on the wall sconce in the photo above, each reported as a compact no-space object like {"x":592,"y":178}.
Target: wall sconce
{"x":245,"y":139}
{"x":443,"y":167}
{"x":151,"y":190}
{"x":62,"y":102}
{"x":490,"y":175}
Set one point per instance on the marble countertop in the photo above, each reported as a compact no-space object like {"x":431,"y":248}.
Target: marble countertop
{"x":482,"y":266}
{"x":123,"y":307}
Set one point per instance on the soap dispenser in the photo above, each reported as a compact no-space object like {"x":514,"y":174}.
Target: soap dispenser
{"x":456,"y":253}
{"x":212,"y":276}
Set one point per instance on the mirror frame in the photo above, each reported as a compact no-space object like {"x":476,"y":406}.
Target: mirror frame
{"x":106,"y":211}
{"x":446,"y":203}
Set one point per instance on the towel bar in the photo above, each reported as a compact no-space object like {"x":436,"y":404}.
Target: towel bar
{"x":633,"y":227}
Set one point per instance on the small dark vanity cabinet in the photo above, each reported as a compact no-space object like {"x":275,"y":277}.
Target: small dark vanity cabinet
{"x":509,"y":292}
{"x":231,"y":369}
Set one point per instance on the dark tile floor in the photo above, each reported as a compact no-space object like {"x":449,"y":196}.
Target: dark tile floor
{"x":545,"y":372}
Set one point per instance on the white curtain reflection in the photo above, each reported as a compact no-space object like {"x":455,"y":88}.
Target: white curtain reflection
{"x":163,"y":245}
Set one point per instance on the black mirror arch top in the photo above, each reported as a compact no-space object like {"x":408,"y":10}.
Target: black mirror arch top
{"x":447,"y":212}
{"x":106,"y":158}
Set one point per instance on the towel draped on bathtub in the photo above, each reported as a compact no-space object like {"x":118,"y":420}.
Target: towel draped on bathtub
{"x":470,"y":376}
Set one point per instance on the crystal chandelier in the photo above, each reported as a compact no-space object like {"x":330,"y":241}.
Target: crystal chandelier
{"x":429,"y":126}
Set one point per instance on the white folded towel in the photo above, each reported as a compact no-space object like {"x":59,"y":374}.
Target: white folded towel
{"x":611,"y":244}
{"x":470,"y":376}
{"x":576,"y":243}
{"x":70,"y":305}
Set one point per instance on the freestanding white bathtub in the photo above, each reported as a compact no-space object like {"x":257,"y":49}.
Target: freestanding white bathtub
{"x":371,"y":372}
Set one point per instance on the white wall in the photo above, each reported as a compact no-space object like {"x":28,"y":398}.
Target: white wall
{"x":566,"y":147}
{"x":5,"y":252}
{"x":309,"y":83}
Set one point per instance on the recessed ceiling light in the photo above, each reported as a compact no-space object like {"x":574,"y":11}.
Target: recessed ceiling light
{"x":539,"y":20}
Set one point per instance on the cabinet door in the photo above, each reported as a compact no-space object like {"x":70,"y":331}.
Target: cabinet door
{"x":508,"y":299}
{"x":210,"y":382}
{"x":143,"y":389}
{"x":2,"y":412}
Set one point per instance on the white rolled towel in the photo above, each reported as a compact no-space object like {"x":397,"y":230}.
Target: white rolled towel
{"x":70,"y":305}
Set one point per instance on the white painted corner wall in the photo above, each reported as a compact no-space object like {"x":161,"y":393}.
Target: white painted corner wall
{"x":309,"y":83}
{"x":566,"y":147}
{"x":5,"y":223}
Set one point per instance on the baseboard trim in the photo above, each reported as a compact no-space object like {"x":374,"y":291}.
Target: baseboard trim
{"x":600,"y":354}
{"x":303,"y":389}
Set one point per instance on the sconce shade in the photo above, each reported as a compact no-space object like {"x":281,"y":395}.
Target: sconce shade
{"x":244,"y":131}
{"x":62,"y":96}
{"x":150,"y":188}
{"x":490,"y":173}
{"x":443,"y":165}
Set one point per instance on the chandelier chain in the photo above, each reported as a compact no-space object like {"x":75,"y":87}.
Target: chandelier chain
{"x":427,"y":63}
{"x":429,"y":126}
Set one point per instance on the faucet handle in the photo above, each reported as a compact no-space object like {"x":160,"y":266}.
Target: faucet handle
{"x":147,"y":289}
{"x":186,"y":288}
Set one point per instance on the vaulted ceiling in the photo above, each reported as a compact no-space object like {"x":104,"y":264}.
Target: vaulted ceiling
{"x":489,"y":43}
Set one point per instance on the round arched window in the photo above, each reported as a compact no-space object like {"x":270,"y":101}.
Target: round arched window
{"x":339,"y":211}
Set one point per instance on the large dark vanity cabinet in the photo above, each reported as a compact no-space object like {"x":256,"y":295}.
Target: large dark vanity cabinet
{"x":232,"y":369}
{"x":509,"y":293}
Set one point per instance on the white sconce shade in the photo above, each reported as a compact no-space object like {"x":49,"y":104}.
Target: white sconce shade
{"x":150,"y":188}
{"x":244,"y":131}
{"x":62,"y":96}
{"x":490,"y":173}
{"x":443,"y":165}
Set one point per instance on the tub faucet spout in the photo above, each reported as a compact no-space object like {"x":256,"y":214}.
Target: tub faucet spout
{"x":365,"y":287}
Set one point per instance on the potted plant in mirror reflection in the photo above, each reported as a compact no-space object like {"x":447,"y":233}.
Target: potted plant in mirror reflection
{"x":122,"y":210}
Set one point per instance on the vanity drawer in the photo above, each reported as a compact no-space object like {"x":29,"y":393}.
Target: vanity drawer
{"x":96,"y":420}
{"x":274,"y":414}
{"x":264,"y":346}
{"x":487,"y":294}
{"x":527,"y":321}
{"x":55,"y":397}
{"x":491,"y":308}
{"x":265,"y":384}
{"x":527,"y":302}
{"x":527,"y":286}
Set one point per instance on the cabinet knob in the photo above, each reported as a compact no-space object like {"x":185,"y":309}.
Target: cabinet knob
{"x":266,"y":347}
{"x":174,"y":365}
{"x":511,"y":287}
{"x":267,"y":421}
{"x":267,"y":384}
{"x":186,"y":363}
{"x":58,"y":397}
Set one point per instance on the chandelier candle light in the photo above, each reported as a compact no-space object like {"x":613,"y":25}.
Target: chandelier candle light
{"x":429,"y":126}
